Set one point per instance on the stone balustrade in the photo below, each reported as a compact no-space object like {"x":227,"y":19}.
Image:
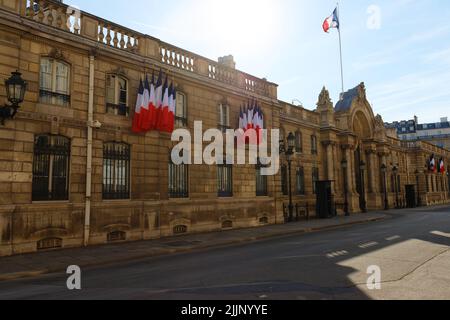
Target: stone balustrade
{"x":70,"y":19}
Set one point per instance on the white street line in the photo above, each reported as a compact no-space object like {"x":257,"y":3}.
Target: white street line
{"x":368,"y":245}
{"x":393,"y":238}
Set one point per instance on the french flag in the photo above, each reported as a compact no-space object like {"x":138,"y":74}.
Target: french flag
{"x":441,"y":166}
{"x":137,"y":112}
{"x":158,"y":102}
{"x":331,"y":22}
{"x":145,"y":106}
{"x":164,"y":110}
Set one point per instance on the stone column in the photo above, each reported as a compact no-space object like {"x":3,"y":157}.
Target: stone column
{"x":330,"y":161}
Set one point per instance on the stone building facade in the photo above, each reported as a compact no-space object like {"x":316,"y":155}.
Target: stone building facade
{"x":66,"y":181}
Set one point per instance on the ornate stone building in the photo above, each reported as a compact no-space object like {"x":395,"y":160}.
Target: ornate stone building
{"x":72,"y":173}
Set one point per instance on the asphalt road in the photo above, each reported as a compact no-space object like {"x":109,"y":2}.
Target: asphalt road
{"x":412,"y":251}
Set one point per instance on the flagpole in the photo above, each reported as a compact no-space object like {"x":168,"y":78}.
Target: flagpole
{"x":340,"y":48}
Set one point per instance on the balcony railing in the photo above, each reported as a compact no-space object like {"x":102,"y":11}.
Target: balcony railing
{"x":61,"y":16}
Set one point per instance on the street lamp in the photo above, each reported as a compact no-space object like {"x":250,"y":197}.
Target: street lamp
{"x":419,"y":202}
{"x":344,"y":165}
{"x":15,"y":92}
{"x":395,"y":171}
{"x":386,"y":200}
{"x":289,"y":152}
{"x":362,"y":167}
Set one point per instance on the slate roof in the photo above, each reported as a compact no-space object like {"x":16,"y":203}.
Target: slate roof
{"x":346,"y":102}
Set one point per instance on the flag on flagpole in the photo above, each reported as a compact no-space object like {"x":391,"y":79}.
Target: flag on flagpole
{"x":172,"y":110}
{"x":148,"y":122}
{"x":331,"y":22}
{"x":164,"y":111}
{"x":137,"y":112}
{"x":145,"y":105}
{"x":158,"y":101}
{"x":441,"y":166}
{"x":432,"y":166}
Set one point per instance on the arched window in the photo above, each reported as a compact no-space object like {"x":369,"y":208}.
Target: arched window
{"x":51,"y":168}
{"x":314,"y":145}
{"x":116,"y":171}
{"x":54,"y":82}
{"x":117,"y":95}
{"x":300,"y":181}
{"x":298,"y":142}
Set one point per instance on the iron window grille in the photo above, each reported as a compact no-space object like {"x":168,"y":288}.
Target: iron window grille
{"x":315,"y":179}
{"x":225,"y":180}
{"x":116,"y":171}
{"x":261,"y":182}
{"x":178,"y":180}
{"x":51,"y":168}
{"x":300,"y":181}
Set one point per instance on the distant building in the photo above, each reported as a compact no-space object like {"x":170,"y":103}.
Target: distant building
{"x":436,"y":133}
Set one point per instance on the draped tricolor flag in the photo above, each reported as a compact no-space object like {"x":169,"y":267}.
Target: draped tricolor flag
{"x":251,"y":118}
{"x":432,"y":164}
{"x":332,"y":21}
{"x":441,"y":166}
{"x":137,"y":112}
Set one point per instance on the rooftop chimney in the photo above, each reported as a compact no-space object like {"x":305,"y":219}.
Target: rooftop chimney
{"x":228,"y":61}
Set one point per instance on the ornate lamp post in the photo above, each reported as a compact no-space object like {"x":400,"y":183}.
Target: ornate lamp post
{"x":289,"y":152}
{"x":386,"y":200}
{"x":362,"y":167}
{"x":395,"y":171}
{"x":344,"y":165}
{"x":15,"y":92}
{"x":419,"y":202}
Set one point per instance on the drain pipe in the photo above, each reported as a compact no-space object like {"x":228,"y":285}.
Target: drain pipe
{"x":90,"y":126}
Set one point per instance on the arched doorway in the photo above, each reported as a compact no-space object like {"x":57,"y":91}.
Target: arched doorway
{"x":360,"y":178}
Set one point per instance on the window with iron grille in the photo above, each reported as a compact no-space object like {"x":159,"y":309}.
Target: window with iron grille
{"x":315,"y":179}
{"x":284,"y":180}
{"x":51,"y":168}
{"x":116,"y":171}
{"x":313,"y":145}
{"x":300,"y":181}
{"x":54,"y":82}
{"x":181,"y":119}
{"x":225,"y":180}
{"x":117,"y":95}
{"x":261,"y":182}
{"x":224,"y":118}
{"x":178,"y":180}
{"x":298,"y":142}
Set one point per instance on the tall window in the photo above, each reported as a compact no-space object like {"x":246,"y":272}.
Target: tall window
{"x":313,"y":144}
{"x":181,"y":111}
{"x":116,"y":171}
{"x":54,"y":82}
{"x":284,"y":180}
{"x":225,"y":180}
{"x":51,"y":168}
{"x":224,"y":117}
{"x":298,"y":142}
{"x":117,"y":95}
{"x":315,"y":178}
{"x":178,"y":180}
{"x":300,"y":181}
{"x":261,"y":182}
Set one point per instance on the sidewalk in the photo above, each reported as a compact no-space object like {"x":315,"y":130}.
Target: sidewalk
{"x":35,"y":264}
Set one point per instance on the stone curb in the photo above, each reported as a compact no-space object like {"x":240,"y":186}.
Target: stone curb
{"x":35,"y":273}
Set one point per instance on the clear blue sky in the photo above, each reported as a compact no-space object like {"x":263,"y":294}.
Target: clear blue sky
{"x":403,"y":57}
